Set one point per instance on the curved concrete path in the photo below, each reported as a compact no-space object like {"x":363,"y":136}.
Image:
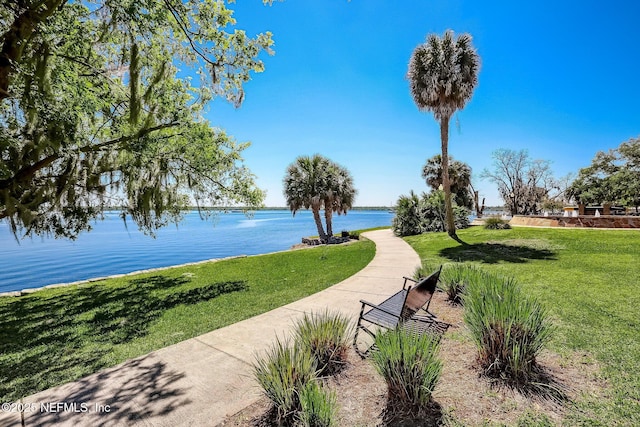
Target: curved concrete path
{"x":200,"y":381}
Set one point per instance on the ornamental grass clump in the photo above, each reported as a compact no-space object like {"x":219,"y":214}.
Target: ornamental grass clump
{"x":508,"y":327}
{"x":326,"y":335}
{"x":424,"y":270}
{"x":282,"y":373}
{"x":318,"y":407}
{"x":455,"y":277}
{"x":410,"y":366}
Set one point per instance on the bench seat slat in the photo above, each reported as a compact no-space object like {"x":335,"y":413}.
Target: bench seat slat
{"x":393,"y":305}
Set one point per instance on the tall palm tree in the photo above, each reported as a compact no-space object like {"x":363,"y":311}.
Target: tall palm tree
{"x":305,"y":186}
{"x":315,"y":183}
{"x":442,"y":74}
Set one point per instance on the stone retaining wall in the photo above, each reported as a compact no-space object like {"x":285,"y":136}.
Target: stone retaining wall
{"x":602,"y":221}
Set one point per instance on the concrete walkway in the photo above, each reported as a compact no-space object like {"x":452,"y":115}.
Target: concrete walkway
{"x":200,"y":381}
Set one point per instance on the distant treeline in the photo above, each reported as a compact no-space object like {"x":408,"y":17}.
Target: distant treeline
{"x":282,"y":208}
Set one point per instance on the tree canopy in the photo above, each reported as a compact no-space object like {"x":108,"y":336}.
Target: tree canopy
{"x":459,"y":177}
{"x":613,"y":177}
{"x":523,"y":183}
{"x":101,"y":106}
{"x":442,"y":74}
{"x":316,"y":182}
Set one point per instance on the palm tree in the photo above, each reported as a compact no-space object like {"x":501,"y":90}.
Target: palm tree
{"x":304,"y":187}
{"x":442,"y":75}
{"x":340,"y":194}
{"x":315,"y":183}
{"x":459,"y":179}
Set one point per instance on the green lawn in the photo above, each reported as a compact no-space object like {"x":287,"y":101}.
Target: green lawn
{"x":55,"y":336}
{"x":590,"y":281}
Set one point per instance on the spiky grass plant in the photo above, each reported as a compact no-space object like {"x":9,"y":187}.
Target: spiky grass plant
{"x":410,"y":366}
{"x":424,"y":269}
{"x":508,"y":327}
{"x":455,"y":277}
{"x":318,"y":407}
{"x":283,"y":372}
{"x":326,"y":335}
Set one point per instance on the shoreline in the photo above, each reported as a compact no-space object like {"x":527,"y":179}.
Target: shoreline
{"x":110,"y":249}
{"x":27,"y":291}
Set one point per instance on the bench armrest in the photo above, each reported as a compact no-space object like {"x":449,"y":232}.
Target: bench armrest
{"x":404,"y":285}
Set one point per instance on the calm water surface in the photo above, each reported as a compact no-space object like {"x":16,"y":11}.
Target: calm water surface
{"x":111,"y":248}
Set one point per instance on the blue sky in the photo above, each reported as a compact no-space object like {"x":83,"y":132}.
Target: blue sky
{"x":560,"y":79}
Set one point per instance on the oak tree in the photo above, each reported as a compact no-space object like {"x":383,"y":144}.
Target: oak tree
{"x":101,"y":107}
{"x":613,"y":177}
{"x":523,"y":183}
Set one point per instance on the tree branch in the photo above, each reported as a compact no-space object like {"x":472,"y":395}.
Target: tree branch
{"x":139,"y":134}
{"x":186,"y":32}
{"x":29,"y":171}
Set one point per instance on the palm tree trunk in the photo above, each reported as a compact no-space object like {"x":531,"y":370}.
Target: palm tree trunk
{"x":328,"y":217}
{"x":316,"y":218}
{"x":446,"y":184}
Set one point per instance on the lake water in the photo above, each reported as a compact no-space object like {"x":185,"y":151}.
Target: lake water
{"x":111,"y":248}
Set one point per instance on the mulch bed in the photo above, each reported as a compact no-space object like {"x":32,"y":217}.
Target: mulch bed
{"x":462,"y":394}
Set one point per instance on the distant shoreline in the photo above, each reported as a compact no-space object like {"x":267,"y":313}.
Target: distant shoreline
{"x":266,"y":208}
{"x":284,"y":208}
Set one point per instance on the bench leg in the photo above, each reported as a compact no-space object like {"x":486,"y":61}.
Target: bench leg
{"x":365,"y":353}
{"x":359,"y":326}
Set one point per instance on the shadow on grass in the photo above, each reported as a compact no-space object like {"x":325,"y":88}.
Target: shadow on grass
{"x":49,"y":340}
{"x":492,"y":253}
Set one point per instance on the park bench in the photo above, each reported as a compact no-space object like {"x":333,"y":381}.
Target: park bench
{"x":408,"y":307}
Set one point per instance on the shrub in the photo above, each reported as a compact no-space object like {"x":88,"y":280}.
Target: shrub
{"x":318,"y":408}
{"x":508,"y":328}
{"x":410,"y":367}
{"x":282,"y":373}
{"x":408,"y":218}
{"x":455,"y":277}
{"x":354,"y":235}
{"x":495,"y":223}
{"x":326,"y":335}
{"x":417,"y":215}
{"x":434,"y":213}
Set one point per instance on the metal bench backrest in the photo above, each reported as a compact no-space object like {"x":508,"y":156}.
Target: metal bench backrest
{"x":420,"y":295}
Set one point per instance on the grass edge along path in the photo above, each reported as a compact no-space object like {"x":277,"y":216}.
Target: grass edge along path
{"x":59,"y":335}
{"x":589,"y":280}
